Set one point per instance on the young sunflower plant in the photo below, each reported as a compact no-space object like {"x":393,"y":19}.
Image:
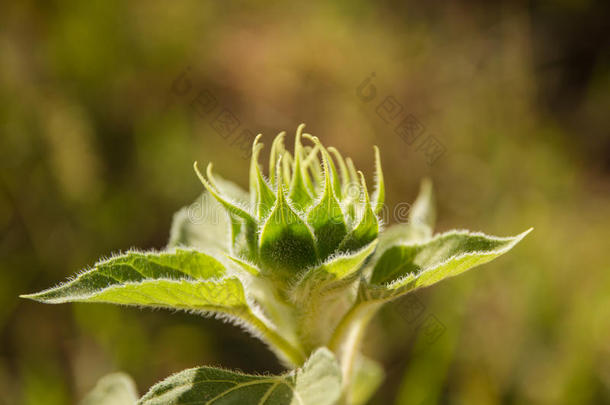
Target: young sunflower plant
{"x":300,"y":261}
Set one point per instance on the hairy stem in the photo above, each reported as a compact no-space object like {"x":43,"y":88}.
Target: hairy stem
{"x":286,"y":351}
{"x":347,"y":337}
{"x":316,"y":318}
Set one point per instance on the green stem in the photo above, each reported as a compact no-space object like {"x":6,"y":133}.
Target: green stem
{"x":278,"y":309}
{"x":288,"y":352}
{"x":347,"y":337}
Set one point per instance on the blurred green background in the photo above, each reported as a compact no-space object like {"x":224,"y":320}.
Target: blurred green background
{"x":99,"y":130}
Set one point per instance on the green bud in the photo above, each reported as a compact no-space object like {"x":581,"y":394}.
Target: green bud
{"x":306,"y":212}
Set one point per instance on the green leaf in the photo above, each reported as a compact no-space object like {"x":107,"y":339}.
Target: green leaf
{"x":245,"y":265}
{"x":317,"y":383}
{"x":286,"y":242}
{"x":113,"y":389}
{"x":185,"y":279}
{"x":404,"y":233}
{"x":423,"y":213}
{"x":244,"y":236}
{"x":331,"y":273}
{"x":418,"y":228}
{"x":204,"y":224}
{"x":368,"y":376}
{"x":405,"y":267}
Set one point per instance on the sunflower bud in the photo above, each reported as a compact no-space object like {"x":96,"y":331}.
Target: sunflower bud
{"x":306,"y":211}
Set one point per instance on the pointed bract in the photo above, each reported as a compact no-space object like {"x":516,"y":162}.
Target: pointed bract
{"x":326,"y":218}
{"x":299,"y":191}
{"x":367,"y":229}
{"x":379,"y":194}
{"x":263,"y":196}
{"x":286,"y":243}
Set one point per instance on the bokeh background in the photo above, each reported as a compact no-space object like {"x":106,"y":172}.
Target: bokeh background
{"x":104,"y":105}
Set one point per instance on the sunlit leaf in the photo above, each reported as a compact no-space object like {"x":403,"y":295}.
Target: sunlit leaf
{"x":404,"y":267}
{"x":244,"y":236}
{"x":184,"y":279}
